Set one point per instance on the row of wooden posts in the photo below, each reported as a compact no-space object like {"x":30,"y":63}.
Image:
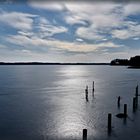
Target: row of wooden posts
{"x":124,"y":114}
{"x":120,"y":115}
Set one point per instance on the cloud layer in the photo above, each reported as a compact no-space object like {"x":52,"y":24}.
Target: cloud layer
{"x":69,"y":28}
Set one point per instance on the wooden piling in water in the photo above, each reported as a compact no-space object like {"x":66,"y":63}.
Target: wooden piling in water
{"x":125,"y":110}
{"x":118,"y":102}
{"x":93,"y":86}
{"x":109,"y":121}
{"x":93,"y":89}
{"x":87,"y":88}
{"x":84,"y":134}
{"x":86,"y":93}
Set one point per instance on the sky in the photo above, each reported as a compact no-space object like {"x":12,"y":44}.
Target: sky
{"x":69,"y":31}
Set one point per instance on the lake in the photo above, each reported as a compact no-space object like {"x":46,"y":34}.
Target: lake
{"x":48,"y":102}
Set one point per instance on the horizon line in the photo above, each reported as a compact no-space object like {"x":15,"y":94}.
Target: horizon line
{"x":53,"y":63}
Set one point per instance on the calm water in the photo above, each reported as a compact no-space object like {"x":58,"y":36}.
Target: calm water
{"x":48,"y":102}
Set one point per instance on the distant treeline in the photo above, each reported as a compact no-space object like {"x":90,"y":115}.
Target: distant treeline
{"x":47,"y":63}
{"x":133,"y":61}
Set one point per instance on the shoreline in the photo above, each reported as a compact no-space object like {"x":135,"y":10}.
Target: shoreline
{"x":134,"y":67}
{"x":41,"y":63}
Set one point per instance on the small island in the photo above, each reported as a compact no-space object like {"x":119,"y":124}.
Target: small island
{"x":133,"y":62}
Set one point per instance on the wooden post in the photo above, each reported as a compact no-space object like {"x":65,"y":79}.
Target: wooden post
{"x":109,"y":121}
{"x":87,"y":88}
{"x":86,"y":93}
{"x":93,"y":86}
{"x":125,"y":110}
{"x":84,"y":134}
{"x":118,"y":102}
{"x":93,"y":89}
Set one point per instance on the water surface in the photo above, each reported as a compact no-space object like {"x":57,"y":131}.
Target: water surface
{"x":48,"y":102}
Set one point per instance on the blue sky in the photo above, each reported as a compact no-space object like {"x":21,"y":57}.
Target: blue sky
{"x":69,"y":32}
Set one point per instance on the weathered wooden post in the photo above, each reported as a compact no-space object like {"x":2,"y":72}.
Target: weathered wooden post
{"x":86,"y":93}
{"x":109,"y":122}
{"x":93,"y":87}
{"x":125,"y":110}
{"x":118,"y":102}
{"x":84,"y":134}
{"x":87,"y":88}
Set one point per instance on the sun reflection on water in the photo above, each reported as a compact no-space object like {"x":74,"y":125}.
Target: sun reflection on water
{"x":73,"y":71}
{"x":72,"y":76}
{"x":71,"y":111}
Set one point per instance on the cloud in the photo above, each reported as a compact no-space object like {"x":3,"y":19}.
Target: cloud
{"x":47,"y":5}
{"x":2,"y":46}
{"x":25,"y":33}
{"x":84,"y":29}
{"x":89,"y":33}
{"x":132,"y":31}
{"x":79,"y":40}
{"x":26,"y":41}
{"x":45,"y":28}
{"x":50,"y":30}
{"x":121,"y":34}
{"x":136,"y":38}
{"x":90,"y":8}
{"x":31,"y":25}
{"x":75,"y":19}
{"x":98,"y":13}
{"x":17,"y":20}
{"x":131,"y":9}
{"x":96,"y":20}
{"x":79,"y":47}
{"x":110,"y":19}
